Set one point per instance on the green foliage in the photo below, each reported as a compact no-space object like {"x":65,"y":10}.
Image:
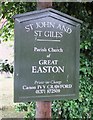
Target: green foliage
{"x":7,"y":32}
{"x":6,"y":66}
{"x":28,"y":107}
{"x":81,"y":108}
{"x":11,"y":8}
{"x":8,"y":10}
{"x":67,"y":109}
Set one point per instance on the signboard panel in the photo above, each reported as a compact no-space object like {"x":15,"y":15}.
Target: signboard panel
{"x":46,"y":57}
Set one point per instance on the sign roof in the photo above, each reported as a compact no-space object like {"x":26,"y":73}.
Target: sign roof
{"x":46,"y":13}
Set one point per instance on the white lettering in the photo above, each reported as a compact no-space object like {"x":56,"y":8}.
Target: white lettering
{"x":25,"y":87}
{"x":48,"y":62}
{"x":53,"y":91}
{"x":40,"y":91}
{"x":64,"y":28}
{"x":40,"y":49}
{"x":47,"y":69}
{"x":53,"y":34}
{"x":38,"y":33}
{"x":44,"y":24}
{"x":55,"y":50}
{"x":29,"y":27}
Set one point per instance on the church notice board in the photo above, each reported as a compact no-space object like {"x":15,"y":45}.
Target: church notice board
{"x":46,"y":56}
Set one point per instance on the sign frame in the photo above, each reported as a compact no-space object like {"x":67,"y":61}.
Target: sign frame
{"x":20,"y":53}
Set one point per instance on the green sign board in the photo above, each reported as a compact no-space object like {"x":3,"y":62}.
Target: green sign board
{"x":46,"y":56}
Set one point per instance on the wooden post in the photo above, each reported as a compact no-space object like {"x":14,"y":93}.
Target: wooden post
{"x":43,"y":108}
{"x":42,"y":4}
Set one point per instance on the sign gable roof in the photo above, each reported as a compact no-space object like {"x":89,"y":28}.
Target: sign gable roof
{"x":49,"y":12}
